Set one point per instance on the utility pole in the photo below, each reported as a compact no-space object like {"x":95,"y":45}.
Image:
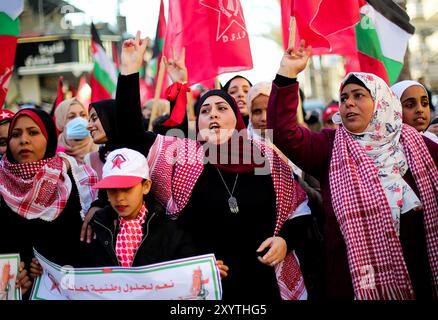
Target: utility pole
{"x":121,"y":20}
{"x":41,"y":14}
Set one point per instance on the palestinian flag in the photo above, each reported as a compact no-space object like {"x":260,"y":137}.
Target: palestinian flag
{"x":154,"y":64}
{"x":372,"y":34}
{"x":103,"y":79}
{"x":9,"y":31}
{"x":382,"y":37}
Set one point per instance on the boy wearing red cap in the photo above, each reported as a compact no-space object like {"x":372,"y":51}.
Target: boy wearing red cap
{"x":127,"y":234}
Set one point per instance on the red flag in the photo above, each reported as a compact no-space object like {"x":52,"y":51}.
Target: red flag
{"x":72,"y":90}
{"x":214,"y":35}
{"x":58,"y":100}
{"x":116,"y":58}
{"x":209,"y":83}
{"x":326,"y":25}
{"x":158,"y":50}
{"x":372,"y":34}
{"x":84,"y":92}
{"x":146,"y":91}
{"x":7,"y":56}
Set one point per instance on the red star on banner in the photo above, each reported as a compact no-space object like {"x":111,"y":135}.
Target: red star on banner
{"x":229,"y":11}
{"x":117,"y":161}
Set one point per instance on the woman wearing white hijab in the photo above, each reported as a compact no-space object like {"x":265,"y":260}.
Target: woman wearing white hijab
{"x":379,"y":182}
{"x":415,"y":105}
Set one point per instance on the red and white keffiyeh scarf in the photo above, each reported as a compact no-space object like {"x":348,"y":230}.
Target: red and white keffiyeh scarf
{"x":41,"y":189}
{"x":175,"y":166}
{"x":375,"y":256}
{"x":130,"y":237}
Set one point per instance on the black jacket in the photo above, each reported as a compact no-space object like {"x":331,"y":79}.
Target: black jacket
{"x":57,"y":240}
{"x":163,"y":240}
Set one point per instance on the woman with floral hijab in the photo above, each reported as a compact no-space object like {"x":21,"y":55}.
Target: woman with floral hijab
{"x":379,"y":182}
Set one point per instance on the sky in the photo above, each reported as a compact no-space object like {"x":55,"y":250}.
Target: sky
{"x":260,"y":16}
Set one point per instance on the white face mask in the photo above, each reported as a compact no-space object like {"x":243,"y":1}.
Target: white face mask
{"x":76,"y":129}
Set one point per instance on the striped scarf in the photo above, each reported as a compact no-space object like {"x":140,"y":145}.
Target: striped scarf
{"x":375,"y":255}
{"x":176,"y":165}
{"x":42,"y":189}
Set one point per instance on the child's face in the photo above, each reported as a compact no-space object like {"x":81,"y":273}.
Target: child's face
{"x":4,"y":137}
{"x":416,"y":108}
{"x":127,"y":202}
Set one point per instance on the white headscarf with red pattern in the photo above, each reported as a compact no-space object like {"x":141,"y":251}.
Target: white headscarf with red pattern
{"x":366,"y":185}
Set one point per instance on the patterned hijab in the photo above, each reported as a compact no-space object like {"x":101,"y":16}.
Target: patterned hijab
{"x":42,"y":188}
{"x":369,"y":193}
{"x":381,"y":142}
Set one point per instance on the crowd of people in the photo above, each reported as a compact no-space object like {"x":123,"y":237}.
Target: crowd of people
{"x":290,"y":212}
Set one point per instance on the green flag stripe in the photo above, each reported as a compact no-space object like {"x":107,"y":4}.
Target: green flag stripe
{"x":141,"y":72}
{"x":153,"y":67}
{"x":368,"y":42}
{"x":161,"y":44}
{"x":103,"y":78}
{"x":8,"y":26}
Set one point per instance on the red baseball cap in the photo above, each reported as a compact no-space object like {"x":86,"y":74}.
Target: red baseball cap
{"x":6,"y":114}
{"x":329,"y":111}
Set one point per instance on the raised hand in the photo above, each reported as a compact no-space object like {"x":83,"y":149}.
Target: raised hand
{"x":176,"y":66}
{"x":133,"y":51}
{"x":295,"y":61}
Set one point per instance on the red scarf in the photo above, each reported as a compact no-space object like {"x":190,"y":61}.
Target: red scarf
{"x":36,"y":189}
{"x":42,"y":188}
{"x":175,"y":166}
{"x":130,"y":237}
{"x":375,"y":255}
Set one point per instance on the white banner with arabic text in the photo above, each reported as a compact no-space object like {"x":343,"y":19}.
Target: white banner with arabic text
{"x":194,"y":278}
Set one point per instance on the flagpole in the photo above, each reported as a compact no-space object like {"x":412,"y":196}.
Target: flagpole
{"x":217,"y":84}
{"x":292,"y":31}
{"x":160,"y":78}
{"x":291,"y":44}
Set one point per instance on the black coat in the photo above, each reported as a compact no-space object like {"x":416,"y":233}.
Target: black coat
{"x":57,"y":240}
{"x":163,"y":240}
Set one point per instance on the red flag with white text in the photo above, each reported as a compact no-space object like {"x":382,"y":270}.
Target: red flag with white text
{"x":214,"y":35}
